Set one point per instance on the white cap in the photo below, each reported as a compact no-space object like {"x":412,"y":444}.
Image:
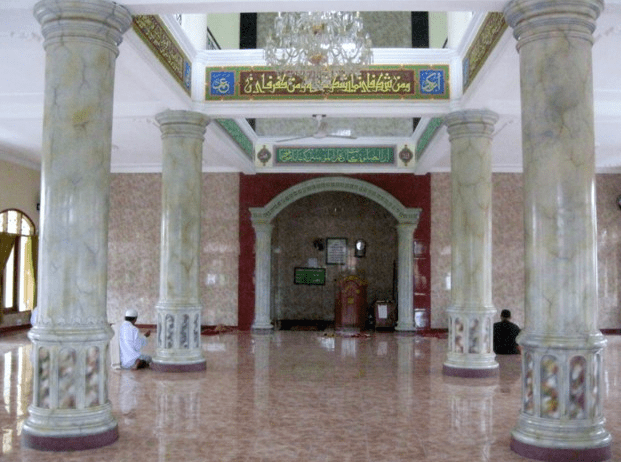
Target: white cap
{"x":131,"y":313}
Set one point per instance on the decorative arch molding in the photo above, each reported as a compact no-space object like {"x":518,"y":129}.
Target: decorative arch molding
{"x":262,"y":217}
{"x":318,"y":185}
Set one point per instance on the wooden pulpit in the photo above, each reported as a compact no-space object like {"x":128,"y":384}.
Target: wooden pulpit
{"x":350,"y":304}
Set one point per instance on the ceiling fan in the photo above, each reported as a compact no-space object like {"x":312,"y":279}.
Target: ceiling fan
{"x":321,"y":132}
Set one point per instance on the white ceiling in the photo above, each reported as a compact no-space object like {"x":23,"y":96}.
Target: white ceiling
{"x":143,"y":88}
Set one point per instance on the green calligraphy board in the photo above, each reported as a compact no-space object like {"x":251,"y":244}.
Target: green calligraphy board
{"x":237,"y":134}
{"x":309,"y":276}
{"x":335,"y":155}
{"x":430,"y":130}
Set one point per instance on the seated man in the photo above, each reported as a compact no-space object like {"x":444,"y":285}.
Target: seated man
{"x":131,"y":342}
{"x":505,"y":333}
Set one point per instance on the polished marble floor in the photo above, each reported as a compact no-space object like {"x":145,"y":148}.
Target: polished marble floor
{"x":301,"y":396}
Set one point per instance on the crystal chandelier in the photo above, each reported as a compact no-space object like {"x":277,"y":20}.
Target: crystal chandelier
{"x":318,"y":46}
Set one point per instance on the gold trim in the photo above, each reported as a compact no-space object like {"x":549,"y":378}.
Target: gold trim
{"x":488,"y":36}
{"x":160,"y":41}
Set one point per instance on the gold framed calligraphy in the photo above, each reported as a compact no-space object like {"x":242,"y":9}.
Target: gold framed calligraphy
{"x":422,"y":82}
{"x":154,"y":33}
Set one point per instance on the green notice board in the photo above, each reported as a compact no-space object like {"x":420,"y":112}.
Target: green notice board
{"x":311,"y":276}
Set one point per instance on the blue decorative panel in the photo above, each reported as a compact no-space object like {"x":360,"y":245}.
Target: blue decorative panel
{"x":222,"y":83}
{"x":431,"y":82}
{"x":187,"y":75}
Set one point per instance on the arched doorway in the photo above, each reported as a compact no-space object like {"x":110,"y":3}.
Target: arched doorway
{"x":300,"y":236}
{"x":262,"y":221}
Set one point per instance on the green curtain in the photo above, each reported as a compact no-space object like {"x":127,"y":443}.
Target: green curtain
{"x":31,"y":261}
{"x":6,"y":245}
{"x":7,"y":241}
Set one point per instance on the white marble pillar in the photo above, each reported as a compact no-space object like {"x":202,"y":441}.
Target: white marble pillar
{"x":405,"y":281}
{"x":470,"y":350}
{"x":262,"y":273}
{"x":70,"y":407}
{"x":179,"y":306}
{"x":561,"y":416}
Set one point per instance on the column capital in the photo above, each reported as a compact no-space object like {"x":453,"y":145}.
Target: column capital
{"x":64,"y":20}
{"x":406,"y":229}
{"x":470,"y":122}
{"x":262,"y":227}
{"x":182,"y":123}
{"x":536,"y":19}
{"x":407,"y":225}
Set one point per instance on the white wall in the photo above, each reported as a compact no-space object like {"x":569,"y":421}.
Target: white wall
{"x":225,"y":28}
{"x":20,"y":188}
{"x":438,"y":29}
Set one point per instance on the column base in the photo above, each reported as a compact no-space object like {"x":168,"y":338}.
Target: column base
{"x":405,"y":327}
{"x":470,"y":373}
{"x":69,"y":443}
{"x":406,"y":333}
{"x":561,"y":454}
{"x":347,"y":330}
{"x":179,"y":367}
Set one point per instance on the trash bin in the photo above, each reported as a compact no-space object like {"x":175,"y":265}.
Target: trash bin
{"x":420,"y":318}
{"x":385,"y":313}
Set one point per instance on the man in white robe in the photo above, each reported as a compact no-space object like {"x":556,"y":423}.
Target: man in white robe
{"x":131,"y":343}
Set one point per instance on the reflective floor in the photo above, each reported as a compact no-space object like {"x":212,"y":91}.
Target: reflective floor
{"x":301,"y":396}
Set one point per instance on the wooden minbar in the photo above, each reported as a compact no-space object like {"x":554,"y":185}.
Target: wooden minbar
{"x":350,"y":304}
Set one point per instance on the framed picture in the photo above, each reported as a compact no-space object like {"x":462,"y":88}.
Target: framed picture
{"x":336,"y":250}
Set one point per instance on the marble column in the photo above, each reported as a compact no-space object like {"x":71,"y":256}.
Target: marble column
{"x":405,"y":282}
{"x":471,"y":314}
{"x":561,"y":416}
{"x":179,"y":306}
{"x":263,"y":268}
{"x":70,"y":408}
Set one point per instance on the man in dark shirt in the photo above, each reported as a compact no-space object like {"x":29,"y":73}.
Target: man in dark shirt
{"x":505,"y":333}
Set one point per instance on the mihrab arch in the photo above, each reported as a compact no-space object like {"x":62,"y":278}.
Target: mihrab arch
{"x":407,"y":221}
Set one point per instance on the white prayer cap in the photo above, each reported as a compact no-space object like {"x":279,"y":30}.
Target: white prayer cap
{"x":131,"y":313}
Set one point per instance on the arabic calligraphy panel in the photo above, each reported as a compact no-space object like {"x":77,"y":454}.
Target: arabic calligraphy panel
{"x":335,"y":155}
{"x":398,"y":82}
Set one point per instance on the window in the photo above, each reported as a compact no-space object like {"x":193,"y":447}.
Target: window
{"x":18,"y":254}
